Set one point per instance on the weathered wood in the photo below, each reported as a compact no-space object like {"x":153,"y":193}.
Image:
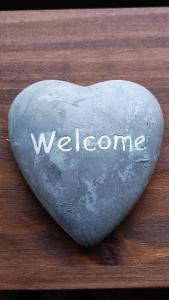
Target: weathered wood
{"x":84,"y":47}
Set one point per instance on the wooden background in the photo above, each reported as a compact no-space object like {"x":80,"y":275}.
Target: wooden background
{"x":82,"y":46}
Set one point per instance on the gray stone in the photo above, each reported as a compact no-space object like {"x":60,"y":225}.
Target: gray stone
{"x":86,"y":152}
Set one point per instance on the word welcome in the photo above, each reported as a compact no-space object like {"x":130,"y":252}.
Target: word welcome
{"x":89,"y":143}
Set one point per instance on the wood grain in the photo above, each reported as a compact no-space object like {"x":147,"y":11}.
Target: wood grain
{"x":84,"y":47}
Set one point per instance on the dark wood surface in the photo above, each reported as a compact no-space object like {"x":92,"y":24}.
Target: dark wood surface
{"x":84,"y":47}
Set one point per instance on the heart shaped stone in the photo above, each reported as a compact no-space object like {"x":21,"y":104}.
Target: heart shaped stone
{"x":86,"y":152}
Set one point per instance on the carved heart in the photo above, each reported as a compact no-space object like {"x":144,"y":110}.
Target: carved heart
{"x":86,"y":152}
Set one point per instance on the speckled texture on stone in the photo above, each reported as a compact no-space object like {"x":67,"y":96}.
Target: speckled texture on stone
{"x":87,"y":185}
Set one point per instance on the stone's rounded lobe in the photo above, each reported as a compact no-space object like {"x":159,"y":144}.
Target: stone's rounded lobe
{"x":86,"y":152}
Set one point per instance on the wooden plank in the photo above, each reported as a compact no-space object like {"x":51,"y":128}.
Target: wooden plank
{"x":83,"y":46}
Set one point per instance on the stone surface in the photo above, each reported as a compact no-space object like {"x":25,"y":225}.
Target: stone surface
{"x":86,"y":152}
